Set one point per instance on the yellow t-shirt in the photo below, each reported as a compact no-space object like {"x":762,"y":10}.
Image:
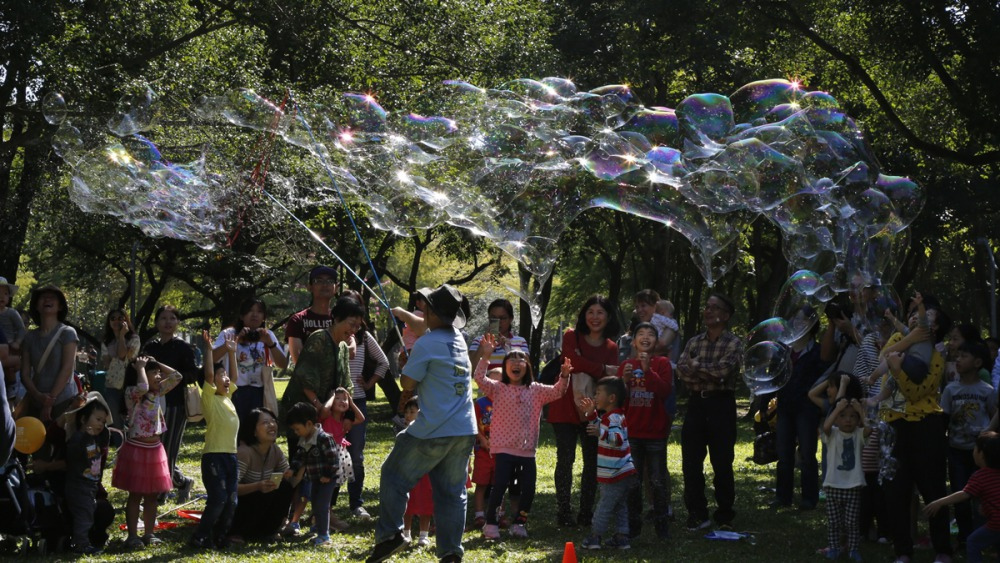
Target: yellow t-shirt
{"x":221,"y":421}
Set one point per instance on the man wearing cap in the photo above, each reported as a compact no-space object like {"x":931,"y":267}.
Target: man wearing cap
{"x":322,"y":281}
{"x":439,"y":442}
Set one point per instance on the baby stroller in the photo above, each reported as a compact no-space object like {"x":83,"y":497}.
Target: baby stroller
{"x":30,"y":514}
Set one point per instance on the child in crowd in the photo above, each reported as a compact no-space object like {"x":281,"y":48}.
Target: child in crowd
{"x":969,"y":404}
{"x":219,"y":470}
{"x":917,"y":356}
{"x":421,"y":501}
{"x":985,"y":486}
{"x":483,"y":468}
{"x":844,"y":433}
{"x":142,"y":467}
{"x":666,"y":326}
{"x":518,"y":401}
{"x":837,"y":385}
{"x":649,"y":379}
{"x":615,"y":473}
{"x":88,"y":441}
{"x":334,"y":420}
{"x":874,"y":516}
{"x":316,"y":459}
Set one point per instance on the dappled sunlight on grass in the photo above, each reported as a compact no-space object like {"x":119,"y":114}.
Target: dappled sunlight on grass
{"x":785,"y":535}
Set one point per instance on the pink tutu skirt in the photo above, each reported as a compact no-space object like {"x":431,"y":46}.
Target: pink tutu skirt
{"x":142,"y":469}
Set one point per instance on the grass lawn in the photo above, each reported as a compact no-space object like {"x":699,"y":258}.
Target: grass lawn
{"x":786,"y":535}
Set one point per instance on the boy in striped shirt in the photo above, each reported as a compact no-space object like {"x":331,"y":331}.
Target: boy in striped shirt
{"x":615,"y":473}
{"x":984,"y":485}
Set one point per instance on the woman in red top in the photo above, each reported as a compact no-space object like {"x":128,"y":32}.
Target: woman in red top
{"x":591,"y":350}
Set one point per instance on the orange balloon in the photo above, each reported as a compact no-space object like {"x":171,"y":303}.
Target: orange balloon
{"x":30,"y":435}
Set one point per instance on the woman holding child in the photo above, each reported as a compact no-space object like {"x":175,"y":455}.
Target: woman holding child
{"x":593,"y":353}
{"x":919,"y":451}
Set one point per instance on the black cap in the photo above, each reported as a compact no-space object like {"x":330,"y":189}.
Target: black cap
{"x":447,"y":303}
{"x":322,"y":271}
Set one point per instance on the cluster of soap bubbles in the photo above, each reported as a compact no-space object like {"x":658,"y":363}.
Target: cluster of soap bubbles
{"x":518,"y":163}
{"x":117,"y":170}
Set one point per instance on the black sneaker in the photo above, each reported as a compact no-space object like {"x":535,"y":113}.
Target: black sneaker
{"x":87,"y":550}
{"x":451,"y":558}
{"x":695,"y":523}
{"x":386,"y":549}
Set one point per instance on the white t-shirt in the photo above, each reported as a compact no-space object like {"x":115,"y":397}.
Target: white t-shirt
{"x":843,"y":458}
{"x":249,"y":359}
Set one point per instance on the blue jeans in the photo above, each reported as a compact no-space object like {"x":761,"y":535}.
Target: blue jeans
{"x":613,"y":505}
{"x":322,"y":494}
{"x":650,"y":459}
{"x":979,"y":540}
{"x":219,"y":474}
{"x":447,"y":461}
{"x":797,"y":424}
{"x":357,"y":450}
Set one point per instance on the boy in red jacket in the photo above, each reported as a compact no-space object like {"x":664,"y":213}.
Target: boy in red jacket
{"x":649,"y":381}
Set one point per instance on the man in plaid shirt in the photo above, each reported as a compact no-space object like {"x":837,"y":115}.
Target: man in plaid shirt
{"x":709,"y":367}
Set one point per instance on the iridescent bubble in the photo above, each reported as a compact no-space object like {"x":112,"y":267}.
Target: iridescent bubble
{"x":906,"y":196}
{"x":66,"y":140}
{"x":518,"y":163}
{"x":705,"y":117}
{"x":766,"y":367}
{"x":757,"y":98}
{"x":660,"y":127}
{"x":797,"y":304}
{"x":134,"y":113}
{"x":54,"y":108}
{"x":775,"y":328}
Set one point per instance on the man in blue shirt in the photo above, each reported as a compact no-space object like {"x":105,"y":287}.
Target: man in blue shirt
{"x":439,"y":442}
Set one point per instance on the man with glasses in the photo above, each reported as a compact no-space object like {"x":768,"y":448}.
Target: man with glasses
{"x":322,"y":286}
{"x":709,"y":367}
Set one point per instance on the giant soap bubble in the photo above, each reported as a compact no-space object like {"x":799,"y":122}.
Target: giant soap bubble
{"x":766,"y":367}
{"x":518,"y":163}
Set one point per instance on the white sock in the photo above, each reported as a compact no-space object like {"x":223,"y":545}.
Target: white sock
{"x":480,"y":514}
{"x":423,"y":534}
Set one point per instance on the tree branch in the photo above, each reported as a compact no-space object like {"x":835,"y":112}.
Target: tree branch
{"x":796,"y":23}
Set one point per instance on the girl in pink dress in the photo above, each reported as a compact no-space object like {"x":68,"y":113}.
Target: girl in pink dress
{"x":142,"y":467}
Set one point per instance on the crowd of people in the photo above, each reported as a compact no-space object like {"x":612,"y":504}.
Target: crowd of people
{"x":899,"y":408}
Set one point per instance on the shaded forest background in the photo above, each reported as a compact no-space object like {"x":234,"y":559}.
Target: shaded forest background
{"x":920,"y":76}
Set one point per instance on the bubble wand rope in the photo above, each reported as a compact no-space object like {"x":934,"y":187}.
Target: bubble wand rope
{"x":350,"y":216}
{"x":313,"y":234}
{"x":343,"y":202}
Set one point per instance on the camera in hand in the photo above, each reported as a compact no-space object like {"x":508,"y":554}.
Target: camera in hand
{"x":833,"y":311}
{"x":251,"y":336}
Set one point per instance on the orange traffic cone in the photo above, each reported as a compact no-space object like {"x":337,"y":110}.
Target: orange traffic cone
{"x":569,"y":554}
